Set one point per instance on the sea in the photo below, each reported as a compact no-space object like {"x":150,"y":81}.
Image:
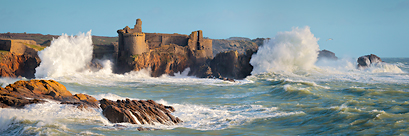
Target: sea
{"x":290,"y":92}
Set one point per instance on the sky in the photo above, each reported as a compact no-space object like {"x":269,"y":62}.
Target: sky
{"x":357,"y":27}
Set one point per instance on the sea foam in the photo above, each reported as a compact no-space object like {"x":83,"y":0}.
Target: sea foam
{"x":290,"y":51}
{"x":66,"y":55}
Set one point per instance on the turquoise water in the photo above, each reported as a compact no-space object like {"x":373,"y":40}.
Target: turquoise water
{"x":289,"y":93}
{"x":323,"y":101}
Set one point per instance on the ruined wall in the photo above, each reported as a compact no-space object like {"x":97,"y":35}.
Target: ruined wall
{"x":135,"y":48}
{"x":138,"y":26}
{"x":155,"y":40}
{"x":192,"y":43}
{"x":207,"y":46}
{"x":18,"y":47}
{"x":5,"y":45}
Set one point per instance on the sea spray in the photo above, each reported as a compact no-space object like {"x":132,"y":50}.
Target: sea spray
{"x":66,"y":55}
{"x":289,"y":51}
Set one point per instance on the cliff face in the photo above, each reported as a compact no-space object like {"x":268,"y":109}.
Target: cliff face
{"x":231,"y":64}
{"x":165,"y":60}
{"x":14,"y":65}
{"x":235,"y":43}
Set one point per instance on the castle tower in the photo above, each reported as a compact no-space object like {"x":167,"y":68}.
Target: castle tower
{"x":131,"y":41}
{"x":138,"y":26}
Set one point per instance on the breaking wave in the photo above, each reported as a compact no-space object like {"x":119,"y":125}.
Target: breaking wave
{"x":291,"y":51}
{"x":66,"y":55}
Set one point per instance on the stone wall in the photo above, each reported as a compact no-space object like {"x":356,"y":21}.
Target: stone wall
{"x":155,"y":40}
{"x":18,"y":47}
{"x":133,"y":43}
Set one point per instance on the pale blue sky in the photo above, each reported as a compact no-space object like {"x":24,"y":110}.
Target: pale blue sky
{"x":357,"y":27}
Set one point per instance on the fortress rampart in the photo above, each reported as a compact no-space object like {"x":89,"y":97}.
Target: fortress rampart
{"x":134,"y":42}
{"x":18,"y":46}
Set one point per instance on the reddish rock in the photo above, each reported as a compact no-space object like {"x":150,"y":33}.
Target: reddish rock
{"x":138,"y":112}
{"x":13,"y":65}
{"x":22,"y":93}
{"x":165,"y":60}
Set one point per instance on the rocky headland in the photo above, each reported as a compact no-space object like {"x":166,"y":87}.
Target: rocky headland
{"x":133,"y":50}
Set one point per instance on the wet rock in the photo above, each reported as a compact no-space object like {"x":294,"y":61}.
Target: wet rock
{"x":165,"y":60}
{"x":138,"y":112}
{"x":16,"y":65}
{"x":21,"y":93}
{"x":231,"y":64}
{"x":367,"y":60}
{"x":326,"y":54}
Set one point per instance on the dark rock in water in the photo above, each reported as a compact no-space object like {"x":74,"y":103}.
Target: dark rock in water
{"x":22,"y":93}
{"x":138,"y":112}
{"x":230,"y":64}
{"x":203,"y":71}
{"x":367,"y":60}
{"x":326,"y":54}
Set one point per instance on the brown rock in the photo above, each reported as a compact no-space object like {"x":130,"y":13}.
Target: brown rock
{"x":165,"y":60}
{"x":138,"y":112}
{"x":88,"y":100}
{"x":22,"y":93}
{"x":13,"y":65}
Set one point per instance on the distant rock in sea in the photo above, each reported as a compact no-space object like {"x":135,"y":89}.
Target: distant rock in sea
{"x":326,"y":54}
{"x":367,"y":60}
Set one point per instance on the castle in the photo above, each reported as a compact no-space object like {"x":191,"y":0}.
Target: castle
{"x":134,"y":42}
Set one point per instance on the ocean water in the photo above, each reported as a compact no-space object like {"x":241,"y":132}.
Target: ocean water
{"x":289,"y":93}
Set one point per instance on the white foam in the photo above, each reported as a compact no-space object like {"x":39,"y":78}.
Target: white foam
{"x":50,"y":113}
{"x":66,"y":55}
{"x":290,"y":51}
{"x":112,"y":97}
{"x":201,"y":117}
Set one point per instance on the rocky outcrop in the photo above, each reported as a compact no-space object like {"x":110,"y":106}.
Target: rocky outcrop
{"x":21,"y":93}
{"x":14,"y":65}
{"x":165,"y":60}
{"x":231,"y":64}
{"x":367,"y":60}
{"x":240,"y":44}
{"x":138,"y":112}
{"x":326,"y":54}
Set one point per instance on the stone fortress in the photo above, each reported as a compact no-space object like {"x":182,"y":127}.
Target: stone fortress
{"x":133,"y":43}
